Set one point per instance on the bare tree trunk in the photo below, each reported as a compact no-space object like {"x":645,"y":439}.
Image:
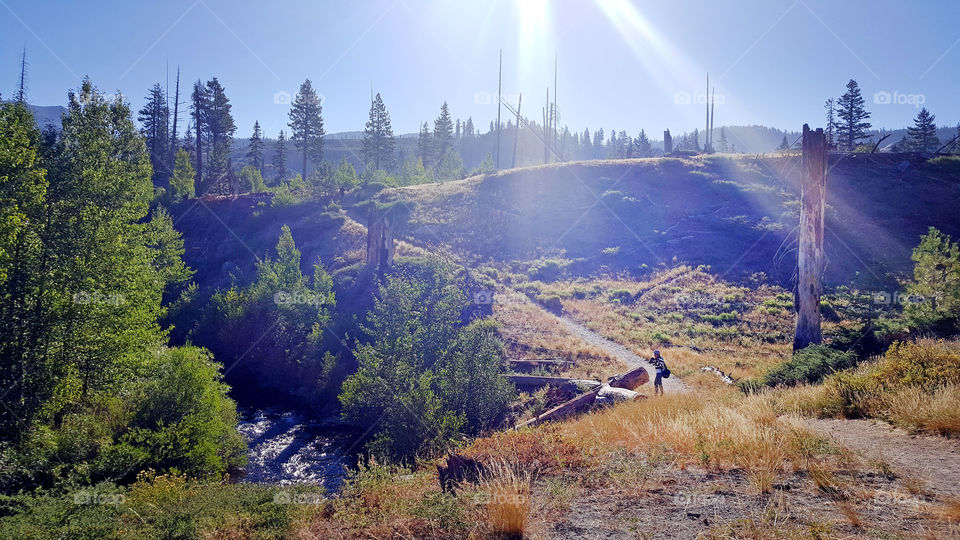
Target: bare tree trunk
{"x":810,"y":260}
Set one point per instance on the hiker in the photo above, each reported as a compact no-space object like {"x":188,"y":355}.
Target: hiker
{"x":661,"y":368}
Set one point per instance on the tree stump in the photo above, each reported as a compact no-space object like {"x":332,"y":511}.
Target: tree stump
{"x":810,"y":259}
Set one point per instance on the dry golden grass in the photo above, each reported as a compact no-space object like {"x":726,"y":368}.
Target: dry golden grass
{"x":508,"y":500}
{"x":532,"y":334}
{"x":934,"y":412}
{"x":721,"y":430}
{"x":696,"y":316}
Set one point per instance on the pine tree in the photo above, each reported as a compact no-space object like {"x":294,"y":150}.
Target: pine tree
{"x":154,"y":118}
{"x":784,"y":145}
{"x":695,"y":140}
{"x":723,"y":142}
{"x":306,"y":125}
{"x":643,"y":144}
{"x":182,"y":182}
{"x":425,"y":145}
{"x":220,"y":129}
{"x":22,"y":85}
{"x":174,"y":145}
{"x":922,"y":137}
{"x":379,"y":146}
{"x":468,"y":130}
{"x":852,"y":127}
{"x":831,"y":122}
{"x":198,"y":111}
{"x":255,"y":150}
{"x":598,"y":143}
{"x":442,"y":132}
{"x":280,"y":157}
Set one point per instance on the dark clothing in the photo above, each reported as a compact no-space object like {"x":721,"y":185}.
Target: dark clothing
{"x":659,"y":366}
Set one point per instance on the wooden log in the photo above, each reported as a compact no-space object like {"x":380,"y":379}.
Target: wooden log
{"x":813,"y":165}
{"x":576,"y":405}
{"x":528,"y":382}
{"x":631,"y":380}
{"x":616,"y":394}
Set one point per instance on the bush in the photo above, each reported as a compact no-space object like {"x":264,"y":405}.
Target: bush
{"x":546,"y":270}
{"x":424,"y":378}
{"x":810,"y":365}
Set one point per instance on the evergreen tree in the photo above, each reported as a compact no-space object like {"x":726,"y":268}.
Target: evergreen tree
{"x":922,"y":137}
{"x":379,"y":146}
{"x":182,"y":182}
{"x":154,"y":118}
{"x":585,"y":144}
{"x":306,"y":125}
{"x":280,"y":157}
{"x":255,"y":150}
{"x":723,"y":142}
{"x":852,"y":127}
{"x":198,"y":111}
{"x":468,"y":130}
{"x":220,"y":130}
{"x":643,"y":144}
{"x":442,"y":132}
{"x":425,"y":146}
{"x":830,"y":131}
{"x":695,"y":140}
{"x":784,"y":145}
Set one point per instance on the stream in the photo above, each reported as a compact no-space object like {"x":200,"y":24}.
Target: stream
{"x":289,"y":447}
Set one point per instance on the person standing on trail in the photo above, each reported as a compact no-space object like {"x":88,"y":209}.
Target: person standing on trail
{"x":661,"y":372}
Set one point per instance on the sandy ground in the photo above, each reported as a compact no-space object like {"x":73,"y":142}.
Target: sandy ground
{"x":935,"y":461}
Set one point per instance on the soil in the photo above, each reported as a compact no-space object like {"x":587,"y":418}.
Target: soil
{"x":933,"y":461}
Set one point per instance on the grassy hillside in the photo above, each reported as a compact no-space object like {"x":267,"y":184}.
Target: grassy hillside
{"x":736,"y":214}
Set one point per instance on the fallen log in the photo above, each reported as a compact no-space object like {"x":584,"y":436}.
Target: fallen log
{"x":608,"y":395}
{"x":576,"y":405}
{"x":630,"y":380}
{"x":535,"y":382}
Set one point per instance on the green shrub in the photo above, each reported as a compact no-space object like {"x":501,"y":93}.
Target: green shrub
{"x":551,"y":302}
{"x":545,"y":270}
{"x":810,"y":365}
{"x":621,"y":296}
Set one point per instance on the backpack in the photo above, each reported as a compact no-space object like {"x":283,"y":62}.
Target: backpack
{"x":666,"y":373}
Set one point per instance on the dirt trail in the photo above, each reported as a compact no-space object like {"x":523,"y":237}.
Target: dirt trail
{"x":935,"y":461}
{"x":618,"y":351}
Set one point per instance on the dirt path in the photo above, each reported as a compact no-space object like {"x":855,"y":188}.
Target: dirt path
{"x":935,"y":461}
{"x":618,"y":351}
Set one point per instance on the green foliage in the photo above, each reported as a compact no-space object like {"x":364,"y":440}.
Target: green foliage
{"x":164,"y":506}
{"x":272,"y":330}
{"x":182,"y":181}
{"x":423,"y":379}
{"x":545,"y":270}
{"x":486,"y":166}
{"x":810,"y":365}
{"x":450,"y":166}
{"x":251,"y":181}
{"x":413,"y":173}
{"x":936,"y":284}
{"x":290,"y":193}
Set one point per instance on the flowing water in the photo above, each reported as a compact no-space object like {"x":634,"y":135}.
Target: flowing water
{"x":287,"y":447}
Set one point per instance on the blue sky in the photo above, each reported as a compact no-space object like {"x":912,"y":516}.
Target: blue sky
{"x":624,"y":65}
